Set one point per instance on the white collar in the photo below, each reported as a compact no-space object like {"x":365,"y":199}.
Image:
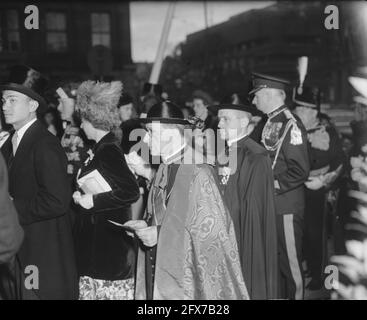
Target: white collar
{"x":169,"y":159}
{"x":22,"y":130}
{"x":230,"y":142}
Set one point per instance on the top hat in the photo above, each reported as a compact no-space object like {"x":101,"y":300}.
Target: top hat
{"x":261,"y":81}
{"x":28,"y":81}
{"x":165,"y":112}
{"x":309,"y":97}
{"x":152,"y":88}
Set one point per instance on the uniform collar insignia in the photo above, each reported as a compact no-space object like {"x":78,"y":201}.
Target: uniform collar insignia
{"x":276,"y":111}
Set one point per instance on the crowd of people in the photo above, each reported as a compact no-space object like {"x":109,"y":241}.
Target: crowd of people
{"x":237,"y":199}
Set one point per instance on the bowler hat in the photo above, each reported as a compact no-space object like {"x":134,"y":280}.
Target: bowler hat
{"x":28,"y":81}
{"x":165,"y":112}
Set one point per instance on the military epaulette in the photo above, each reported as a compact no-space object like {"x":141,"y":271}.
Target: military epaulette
{"x":296,"y":134}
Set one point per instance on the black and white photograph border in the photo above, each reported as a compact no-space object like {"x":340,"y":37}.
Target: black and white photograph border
{"x":183,"y":150}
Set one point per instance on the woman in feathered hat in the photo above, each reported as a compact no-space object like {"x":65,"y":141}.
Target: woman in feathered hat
{"x":105,"y":255}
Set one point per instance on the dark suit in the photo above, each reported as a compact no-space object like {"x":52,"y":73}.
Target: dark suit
{"x":39,"y":184}
{"x":11,"y":234}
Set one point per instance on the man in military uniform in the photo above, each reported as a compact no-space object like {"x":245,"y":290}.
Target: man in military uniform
{"x":285,"y":139}
{"x":326,"y":159}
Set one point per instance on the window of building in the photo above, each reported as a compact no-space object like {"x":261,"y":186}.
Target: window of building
{"x":101,"y":29}
{"x":56,"y":37}
{"x":9,"y":31}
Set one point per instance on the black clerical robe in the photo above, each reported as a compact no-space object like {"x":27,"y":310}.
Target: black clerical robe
{"x":249,"y":194}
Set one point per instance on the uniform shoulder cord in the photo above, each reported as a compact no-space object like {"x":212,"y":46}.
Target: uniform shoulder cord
{"x":279,"y":146}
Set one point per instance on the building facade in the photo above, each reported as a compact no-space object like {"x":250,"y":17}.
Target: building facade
{"x":220,"y":59}
{"x":67,"y":32}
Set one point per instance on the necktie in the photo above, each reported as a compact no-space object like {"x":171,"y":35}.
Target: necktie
{"x":14,"y":141}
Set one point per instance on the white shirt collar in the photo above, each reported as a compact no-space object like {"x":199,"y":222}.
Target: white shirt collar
{"x":230,"y":142}
{"x":22,"y":130}
{"x":171,"y":158}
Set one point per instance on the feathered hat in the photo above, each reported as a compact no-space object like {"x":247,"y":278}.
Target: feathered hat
{"x":97,"y":102}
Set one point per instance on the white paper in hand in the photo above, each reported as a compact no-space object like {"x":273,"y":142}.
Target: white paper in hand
{"x":94,"y":183}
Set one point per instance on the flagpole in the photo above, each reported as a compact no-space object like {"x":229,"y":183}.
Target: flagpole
{"x":154,"y":76}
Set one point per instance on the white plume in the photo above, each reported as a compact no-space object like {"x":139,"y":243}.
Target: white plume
{"x":302,"y":72}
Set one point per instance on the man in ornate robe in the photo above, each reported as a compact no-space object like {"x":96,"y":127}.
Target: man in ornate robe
{"x":248,"y":187}
{"x":188,"y":246}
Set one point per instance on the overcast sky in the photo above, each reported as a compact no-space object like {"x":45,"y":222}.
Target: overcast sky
{"x":147,"y":20}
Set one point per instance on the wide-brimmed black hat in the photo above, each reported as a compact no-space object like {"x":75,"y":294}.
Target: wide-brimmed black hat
{"x":307,"y":97}
{"x":240,"y":107}
{"x":262,"y":81}
{"x":28,"y":81}
{"x":165,"y":112}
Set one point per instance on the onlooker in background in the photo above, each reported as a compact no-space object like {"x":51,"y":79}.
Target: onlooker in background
{"x":73,"y":140}
{"x":151,"y":94}
{"x":359,"y":128}
{"x":201,"y":102}
{"x":205,"y":136}
{"x":105,"y":253}
{"x":52,"y":120}
{"x":359,"y":125}
{"x":125,"y":107}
